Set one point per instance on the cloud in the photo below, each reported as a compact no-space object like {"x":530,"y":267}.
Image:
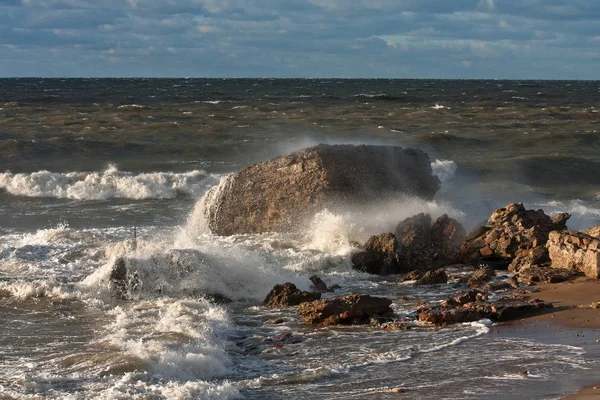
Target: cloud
{"x":362,"y":38}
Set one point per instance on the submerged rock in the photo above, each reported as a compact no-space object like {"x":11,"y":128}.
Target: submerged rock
{"x":433,"y":277}
{"x":283,"y":193}
{"x":453,"y":311}
{"x":288,"y":295}
{"x":351,"y":309}
{"x":575,"y":251}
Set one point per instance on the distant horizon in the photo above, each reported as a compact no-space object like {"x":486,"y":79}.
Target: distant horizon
{"x":300,"y":78}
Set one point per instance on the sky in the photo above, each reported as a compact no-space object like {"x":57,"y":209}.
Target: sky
{"x":497,"y":39}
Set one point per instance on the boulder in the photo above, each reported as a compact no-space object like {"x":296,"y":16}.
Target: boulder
{"x":575,"y":251}
{"x":537,"y":275}
{"x":514,"y":233}
{"x":426,"y":245}
{"x":319,"y":286}
{"x":380,"y":256}
{"x":351,"y":309}
{"x":433,"y":277}
{"x":412,"y":275}
{"x":481,"y":276}
{"x":284,"y":193}
{"x":288,"y":295}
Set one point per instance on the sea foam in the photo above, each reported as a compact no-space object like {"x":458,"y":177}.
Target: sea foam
{"x":107,"y":184}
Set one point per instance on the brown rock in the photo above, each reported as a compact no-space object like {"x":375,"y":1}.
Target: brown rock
{"x":383,"y":259}
{"x":413,"y":275}
{"x":593,"y":232}
{"x":433,"y":277}
{"x":536,"y":275}
{"x":575,"y":251}
{"x":288,"y":295}
{"x":352,"y":309}
{"x":514,"y":233}
{"x":481,"y":276}
{"x":284,"y":193}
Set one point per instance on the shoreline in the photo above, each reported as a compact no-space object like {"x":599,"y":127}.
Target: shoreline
{"x":565,"y":297}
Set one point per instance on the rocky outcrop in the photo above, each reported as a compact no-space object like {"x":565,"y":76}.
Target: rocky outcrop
{"x":433,"y":278}
{"x":515,"y":233}
{"x":537,"y":275}
{"x":352,"y":309}
{"x":481,"y":276}
{"x":121,"y":282}
{"x":594,"y":232}
{"x":423,"y":245}
{"x":379,"y":257}
{"x":575,"y":251}
{"x":288,"y":295}
{"x":472,"y":306}
{"x":417,"y":244}
{"x":283,"y":193}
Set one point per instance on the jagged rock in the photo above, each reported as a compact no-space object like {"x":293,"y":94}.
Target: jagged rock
{"x":514,"y":233}
{"x":481,"y":276}
{"x":575,"y":251}
{"x":412,"y":275}
{"x":288,"y":295}
{"x":380,"y":256}
{"x":216,"y":298}
{"x":426,"y":245}
{"x":320,"y":286}
{"x":433,"y":277}
{"x":536,"y":275}
{"x":351,"y":309}
{"x":367,"y":261}
{"x":284,"y":193}
{"x":451,"y":312}
{"x":594,"y":232}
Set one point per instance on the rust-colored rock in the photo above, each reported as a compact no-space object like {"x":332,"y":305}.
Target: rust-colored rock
{"x":481,"y":276}
{"x":433,"y":277}
{"x":514,"y":233}
{"x":575,"y":251}
{"x":284,"y":193}
{"x":288,"y":295}
{"x":351,"y":309}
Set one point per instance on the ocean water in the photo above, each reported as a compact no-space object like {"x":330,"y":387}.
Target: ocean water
{"x":86,"y":164}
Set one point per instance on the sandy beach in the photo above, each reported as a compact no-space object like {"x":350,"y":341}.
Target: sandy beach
{"x":566,"y":297}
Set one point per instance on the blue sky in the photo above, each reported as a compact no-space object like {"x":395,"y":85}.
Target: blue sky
{"x":535,"y":39}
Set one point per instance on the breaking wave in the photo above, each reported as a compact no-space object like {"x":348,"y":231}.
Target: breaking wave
{"x":108,"y":184}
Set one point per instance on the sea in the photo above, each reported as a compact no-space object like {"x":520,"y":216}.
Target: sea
{"x":96,"y":169}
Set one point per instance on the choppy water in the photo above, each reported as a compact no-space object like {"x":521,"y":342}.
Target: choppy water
{"x":84,"y":161}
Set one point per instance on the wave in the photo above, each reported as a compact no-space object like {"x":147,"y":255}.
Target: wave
{"x":108,"y":184}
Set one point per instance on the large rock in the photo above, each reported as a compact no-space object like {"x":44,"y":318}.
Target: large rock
{"x":288,"y":295}
{"x":595,"y":231}
{"x":426,"y":245}
{"x":352,"y":309}
{"x":283,"y":193}
{"x":575,"y":251}
{"x":379,"y":257}
{"x":514,"y":233}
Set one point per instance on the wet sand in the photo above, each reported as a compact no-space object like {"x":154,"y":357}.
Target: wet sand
{"x":566,"y":297}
